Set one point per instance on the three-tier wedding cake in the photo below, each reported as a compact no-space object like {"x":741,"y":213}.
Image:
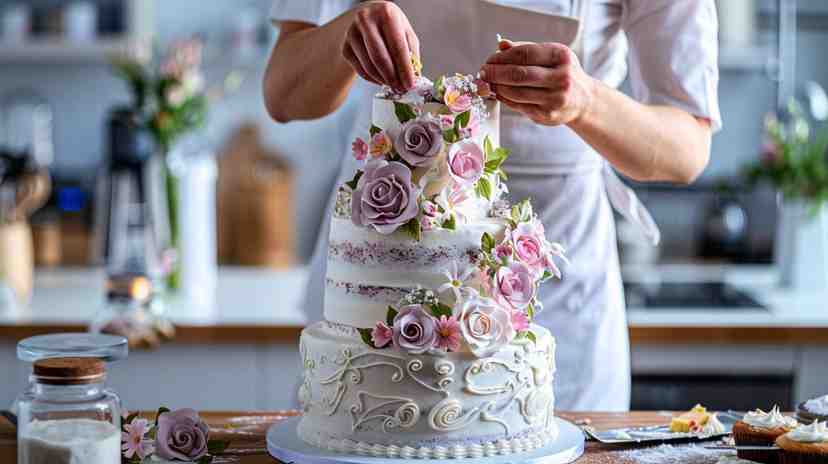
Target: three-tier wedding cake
{"x":428,"y":348}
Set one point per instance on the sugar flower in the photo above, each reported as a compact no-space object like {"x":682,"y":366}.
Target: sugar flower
{"x":381,"y":144}
{"x":415,"y":329}
{"x":466,"y":162}
{"x":457,"y":100}
{"x":181,"y":435}
{"x":384,"y":198}
{"x":448,"y":334}
{"x":514,"y":285}
{"x":359,"y":149}
{"x":486,"y":325}
{"x":528,"y":244}
{"x":458,"y":281}
{"x":453,"y":200}
{"x":420,"y":141}
{"x":520,"y":321}
{"x":381,"y":335}
{"x":134,"y":439}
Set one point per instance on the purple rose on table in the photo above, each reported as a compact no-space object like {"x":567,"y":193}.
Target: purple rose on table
{"x":385,"y":197}
{"x":181,"y":435}
{"x":415,"y":329}
{"x":420,"y":141}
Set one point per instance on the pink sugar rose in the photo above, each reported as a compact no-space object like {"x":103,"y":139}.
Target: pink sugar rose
{"x":448,"y":334}
{"x":503,"y":250}
{"x":520,"y":321}
{"x":360,"y":149}
{"x":381,"y":335}
{"x":529,"y":246}
{"x":415,"y":329}
{"x":466,"y":162}
{"x":385,"y":197}
{"x":514,"y":285}
{"x":486,"y":325}
{"x":457,"y":101}
{"x":381,"y":144}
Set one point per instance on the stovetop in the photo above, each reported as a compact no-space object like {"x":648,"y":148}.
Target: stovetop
{"x":712,"y":295}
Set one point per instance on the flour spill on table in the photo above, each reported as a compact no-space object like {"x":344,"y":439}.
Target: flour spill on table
{"x":680,"y":454}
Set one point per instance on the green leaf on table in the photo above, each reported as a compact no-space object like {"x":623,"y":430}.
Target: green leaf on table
{"x":158,"y":413}
{"x":365,"y":334}
{"x":484,"y":188}
{"x":374,"y":130}
{"x":355,"y":181}
{"x":216,"y":447}
{"x":390,"y":316}
{"x":487,"y":242}
{"x":404,"y":112}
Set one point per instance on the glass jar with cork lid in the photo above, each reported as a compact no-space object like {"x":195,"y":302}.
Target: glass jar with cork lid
{"x":67,"y":416}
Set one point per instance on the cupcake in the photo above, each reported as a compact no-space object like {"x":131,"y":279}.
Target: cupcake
{"x":760,"y":428}
{"x":815,"y":409}
{"x":806,"y":444}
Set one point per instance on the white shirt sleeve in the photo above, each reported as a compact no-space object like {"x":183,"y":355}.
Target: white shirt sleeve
{"x":315,"y":12}
{"x":674,"y":54}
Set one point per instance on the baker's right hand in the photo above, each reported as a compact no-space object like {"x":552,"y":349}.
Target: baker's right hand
{"x":379,"y":44}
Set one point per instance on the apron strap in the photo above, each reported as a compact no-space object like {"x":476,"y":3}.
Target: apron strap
{"x":580,"y":10}
{"x":626,"y":202}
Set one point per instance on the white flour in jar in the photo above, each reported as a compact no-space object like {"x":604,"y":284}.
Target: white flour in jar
{"x":70,"y":441}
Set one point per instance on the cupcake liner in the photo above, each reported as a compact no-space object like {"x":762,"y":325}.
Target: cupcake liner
{"x":798,"y":457}
{"x":743,"y":437}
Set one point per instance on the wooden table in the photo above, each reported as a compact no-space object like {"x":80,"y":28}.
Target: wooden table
{"x":247,"y":430}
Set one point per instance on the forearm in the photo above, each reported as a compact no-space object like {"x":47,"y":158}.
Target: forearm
{"x":307,"y":76}
{"x":644,"y":142}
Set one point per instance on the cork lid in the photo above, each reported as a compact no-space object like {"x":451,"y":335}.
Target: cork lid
{"x":69,"y":371}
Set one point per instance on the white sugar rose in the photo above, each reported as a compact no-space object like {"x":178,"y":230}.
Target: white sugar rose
{"x":486,"y":325}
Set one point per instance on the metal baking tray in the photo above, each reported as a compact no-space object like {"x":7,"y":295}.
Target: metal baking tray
{"x":657,"y":433}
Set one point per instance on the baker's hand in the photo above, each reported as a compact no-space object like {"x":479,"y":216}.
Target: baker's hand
{"x":544,"y":81}
{"x":379,"y":43}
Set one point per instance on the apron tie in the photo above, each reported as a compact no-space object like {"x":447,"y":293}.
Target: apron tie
{"x":624,"y":200}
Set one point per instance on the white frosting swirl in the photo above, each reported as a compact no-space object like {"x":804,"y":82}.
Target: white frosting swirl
{"x":814,"y":433}
{"x":769,"y":420}
{"x":818,"y":405}
{"x":713,"y":426}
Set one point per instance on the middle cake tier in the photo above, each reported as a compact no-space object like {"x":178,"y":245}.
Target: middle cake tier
{"x":368,"y":271}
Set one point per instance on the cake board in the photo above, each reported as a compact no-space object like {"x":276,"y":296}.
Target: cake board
{"x":284,"y":444}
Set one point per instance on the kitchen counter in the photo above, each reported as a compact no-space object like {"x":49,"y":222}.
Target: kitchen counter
{"x":247,"y":431}
{"x":265,"y":306}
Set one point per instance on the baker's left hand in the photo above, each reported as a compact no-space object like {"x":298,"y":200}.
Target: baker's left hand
{"x":544,"y":81}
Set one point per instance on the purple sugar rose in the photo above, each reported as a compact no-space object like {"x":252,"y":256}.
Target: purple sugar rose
{"x":384,"y":198}
{"x":420,"y":141}
{"x":181,"y":435}
{"x":415,"y":329}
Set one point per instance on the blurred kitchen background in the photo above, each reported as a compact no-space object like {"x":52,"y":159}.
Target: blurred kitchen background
{"x":716,"y":316}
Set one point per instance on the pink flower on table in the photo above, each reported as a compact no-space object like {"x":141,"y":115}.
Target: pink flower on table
{"x":360,"y":149}
{"x":520,"y":321}
{"x":529,"y":246}
{"x":466,"y":162}
{"x":181,"y":435}
{"x":134,"y":439}
{"x":381,"y":335}
{"x":448,"y":334}
{"x":514,"y":285}
{"x":381,"y":144}
{"x":456,"y":100}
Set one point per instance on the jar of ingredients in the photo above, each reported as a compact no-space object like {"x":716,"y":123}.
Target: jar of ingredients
{"x":67,"y":416}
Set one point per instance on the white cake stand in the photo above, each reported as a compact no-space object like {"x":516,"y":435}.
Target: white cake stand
{"x":284,"y":444}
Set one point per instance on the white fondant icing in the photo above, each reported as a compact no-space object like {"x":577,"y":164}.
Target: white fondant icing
{"x":423,"y":402}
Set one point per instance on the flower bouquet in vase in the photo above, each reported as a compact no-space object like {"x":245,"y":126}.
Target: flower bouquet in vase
{"x":795,"y":162}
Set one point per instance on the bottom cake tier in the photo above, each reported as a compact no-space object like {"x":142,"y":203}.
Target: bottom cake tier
{"x":357,"y":399}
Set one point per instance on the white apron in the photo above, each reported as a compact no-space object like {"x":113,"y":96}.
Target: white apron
{"x":572,"y":189}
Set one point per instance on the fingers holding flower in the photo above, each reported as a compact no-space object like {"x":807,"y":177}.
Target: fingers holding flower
{"x":544,"y":81}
